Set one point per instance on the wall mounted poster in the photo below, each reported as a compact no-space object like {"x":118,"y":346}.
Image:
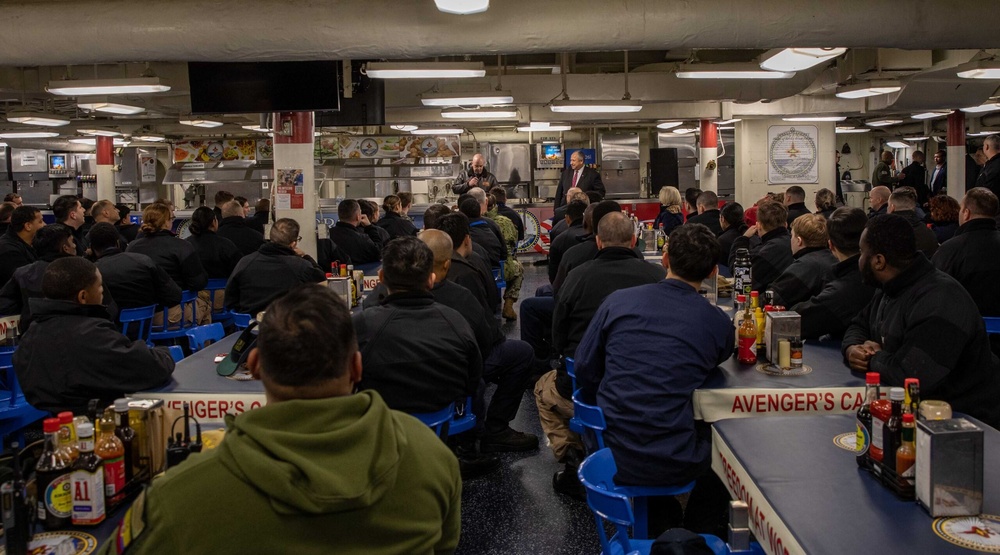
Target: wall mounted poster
{"x":289,"y":195}
{"x":792,"y":154}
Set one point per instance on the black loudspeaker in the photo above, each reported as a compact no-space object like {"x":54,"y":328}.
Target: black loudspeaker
{"x":662,"y":168}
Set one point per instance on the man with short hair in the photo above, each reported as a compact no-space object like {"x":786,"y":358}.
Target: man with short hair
{"x":6,"y":211}
{"x":318,"y":468}
{"x":615,"y":267}
{"x":15,"y":244}
{"x":922,"y":324}
{"x":915,"y":177}
{"x":586,"y":247}
{"x":646,"y":351}
{"x":500,"y":194}
{"x":233,"y":226}
{"x":708,"y":212}
{"x":774,"y":253}
{"x":577,"y":175}
{"x":93,"y":359}
{"x":939,"y":177}
{"x":568,"y":238}
{"x":276,"y":267}
{"x":475,"y":176}
{"x":105,"y":211}
{"x":221,"y":198}
{"x":878,"y":199}
{"x":50,"y":243}
{"x":989,"y":177}
{"x":972,"y":256}
{"x":795,"y":202}
{"x":467,"y":268}
{"x":812,"y":265}
{"x":13,"y":197}
{"x":484,"y":231}
{"x":371,"y":211}
{"x":354,"y":234}
{"x":133,"y":278}
{"x":732,"y":225}
{"x":70,"y":213}
{"x":831,"y":311}
{"x":903,"y":203}
{"x":882,"y":174}
{"x":559,"y":224}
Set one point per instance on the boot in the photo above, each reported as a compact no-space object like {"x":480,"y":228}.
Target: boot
{"x":508,"y":310}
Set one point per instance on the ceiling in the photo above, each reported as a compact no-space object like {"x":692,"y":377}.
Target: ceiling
{"x":536,"y":50}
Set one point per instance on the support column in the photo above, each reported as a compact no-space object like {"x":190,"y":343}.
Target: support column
{"x":956,"y":155}
{"x":708,"y":154}
{"x":294,"y":175}
{"x":105,"y":169}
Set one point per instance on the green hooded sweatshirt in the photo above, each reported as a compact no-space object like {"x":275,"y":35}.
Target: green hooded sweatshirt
{"x":337,"y":475}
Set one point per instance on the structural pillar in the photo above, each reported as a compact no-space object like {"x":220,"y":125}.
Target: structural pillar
{"x":956,"y":155}
{"x":106,"y":169}
{"x":708,"y":154}
{"x":294,"y":176}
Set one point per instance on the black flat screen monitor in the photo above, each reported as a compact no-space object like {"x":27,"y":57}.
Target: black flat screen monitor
{"x":260,"y":87}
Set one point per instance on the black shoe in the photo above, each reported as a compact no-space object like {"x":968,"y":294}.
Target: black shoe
{"x":568,"y":483}
{"x":474,"y":466}
{"x":508,"y":440}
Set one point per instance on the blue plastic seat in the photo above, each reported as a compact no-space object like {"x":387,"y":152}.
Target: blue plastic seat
{"x":199,"y":335}
{"x":588,"y":418}
{"x":499,"y":275}
{"x":992,"y":324}
{"x":137,"y":323}
{"x":15,"y":412}
{"x":176,"y":352}
{"x":213,"y":287}
{"x":240,"y":320}
{"x":462,"y":419}
{"x":189,"y":315}
{"x":571,"y":369}
{"x":438,"y":420}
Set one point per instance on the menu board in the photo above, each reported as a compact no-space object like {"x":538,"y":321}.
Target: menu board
{"x":214,"y":151}
{"x":360,"y":148}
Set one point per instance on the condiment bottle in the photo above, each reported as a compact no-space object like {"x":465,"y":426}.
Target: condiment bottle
{"x":111,"y":451}
{"x":796,"y":352}
{"x":748,"y":338}
{"x":906,"y":455}
{"x":892,"y":434}
{"x":758,"y":314}
{"x":88,"y":482}
{"x":742,"y":273}
{"x":130,"y":442}
{"x":67,"y":435}
{"x":881,"y":410}
{"x":864,"y":434}
{"x":16,"y":509}
{"x":343,"y":270}
{"x":53,"y":481}
{"x":741,"y":301}
{"x":661,"y":238}
{"x":912,"y":402}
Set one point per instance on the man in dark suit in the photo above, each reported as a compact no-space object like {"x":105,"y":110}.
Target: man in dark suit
{"x":587,"y":179}
{"x":939,"y":175}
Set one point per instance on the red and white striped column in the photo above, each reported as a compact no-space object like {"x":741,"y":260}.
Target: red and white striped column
{"x":708,"y":154}
{"x":956,"y":155}
{"x":105,"y":169}
{"x":294,"y":175}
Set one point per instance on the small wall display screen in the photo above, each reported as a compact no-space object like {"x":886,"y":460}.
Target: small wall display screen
{"x":57,"y":162}
{"x":552,"y":152}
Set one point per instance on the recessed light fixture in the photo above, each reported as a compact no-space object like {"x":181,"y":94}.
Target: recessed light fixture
{"x":980,"y":69}
{"x":897,"y":144}
{"x":98,"y":132}
{"x":869,"y":88}
{"x":595,"y":106}
{"x":480,"y":114}
{"x":796,"y":59}
{"x":424,"y":70}
{"x":37,"y":118}
{"x":915,"y":138}
{"x":669,"y":124}
{"x":150,"y":137}
{"x":256,"y":128}
{"x":132,"y":85}
{"x":537,"y":126}
{"x":497,"y":98}
{"x":728,"y":71}
{"x":28,"y":134}
{"x":103,"y":104}
{"x":983,"y":133}
{"x":929,"y":115}
{"x":883,"y":122}
{"x":684,"y":130}
{"x":728,"y":121}
{"x":202,"y":122}
{"x":404,"y":128}
{"x":440,"y":131}
{"x":845,"y":130}
{"x":462,"y":7}
{"x":726,"y":128}
{"x":989,"y":107}
{"x":93,"y":142}
{"x":815,"y":118}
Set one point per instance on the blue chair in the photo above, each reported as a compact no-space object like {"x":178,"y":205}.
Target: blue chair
{"x":571,"y":369}
{"x":437,"y":420}
{"x":15,"y":412}
{"x":240,"y":320}
{"x":462,"y":419}
{"x":176,"y":352}
{"x":139,"y":320}
{"x":992,"y":324}
{"x":189,"y":315}
{"x":588,"y":417}
{"x":199,"y":335}
{"x":498,"y":275}
{"x":221,"y":315}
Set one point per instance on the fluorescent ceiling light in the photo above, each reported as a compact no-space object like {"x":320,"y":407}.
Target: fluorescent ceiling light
{"x":27,"y":134}
{"x":883,"y":122}
{"x":536,"y":126}
{"x":100,"y":132}
{"x":728,"y":121}
{"x":103,"y":104}
{"x":897,"y":144}
{"x":256,"y":128}
{"x":843,"y":130}
{"x":981,"y":69}
{"x":726,"y":128}
{"x":869,"y":88}
{"x":202,"y":122}
{"x":915,"y":138}
{"x":815,"y":118}
{"x":93,"y":142}
{"x":150,"y":137}
{"x":728,"y":71}
{"x":929,"y":115}
{"x":404,"y":128}
{"x":482,"y":113}
{"x":132,"y":85}
{"x":991,"y":107}
{"x":669,"y":124}
{"x":37,"y":118}
{"x":983,"y":133}
{"x":462,"y":7}
{"x":595,"y":106}
{"x":424,"y":70}
{"x":797,"y":59}
{"x":498,"y":98}
{"x":440,"y":131}
{"x":685,"y":130}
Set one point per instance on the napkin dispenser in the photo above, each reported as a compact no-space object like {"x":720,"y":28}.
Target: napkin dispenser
{"x":949,"y":467}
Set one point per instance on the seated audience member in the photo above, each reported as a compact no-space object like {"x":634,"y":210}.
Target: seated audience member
{"x":371,"y":211}
{"x":433,"y":213}
{"x":221,"y":199}
{"x":73,"y":352}
{"x":512,"y":268}
{"x":484,"y":231}
{"x":903,"y":203}
{"x":731,"y":222}
{"x":972,"y":256}
{"x":88,"y":216}
{"x":358,"y":475}
{"x":177,"y":258}
{"x":647,"y":397}
{"x":569,"y":238}
{"x":500,"y":194}
{"x":615,"y":267}
{"x":234,"y":227}
{"x":405,"y":202}
{"x":276,"y":267}
{"x":6,"y":211}
{"x":812,"y":267}
{"x":15,"y":244}
{"x":51,"y":243}
{"x":69,"y":213}
{"x":670,"y":216}
{"x":261,"y":213}
{"x":795,"y":202}
{"x":774,"y":253}
{"x":878,"y":199}
{"x":944,"y":217}
{"x":104,"y":211}
{"x":126,"y":228}
{"x":393,"y":221}
{"x":13,"y":198}
{"x":218,"y":255}
{"x":244,"y":204}
{"x":826,"y":202}
{"x":922,"y":324}
{"x":691,"y":201}
{"x":133,"y":279}
{"x":559,"y":224}
{"x":586,"y":248}
{"x":708,"y":212}
{"x":354,"y":234}
{"x":831,"y":311}
{"x":465,"y":270}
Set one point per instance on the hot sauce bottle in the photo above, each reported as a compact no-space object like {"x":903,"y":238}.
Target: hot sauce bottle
{"x":864,"y":439}
{"x":748,"y":339}
{"x":111,"y":451}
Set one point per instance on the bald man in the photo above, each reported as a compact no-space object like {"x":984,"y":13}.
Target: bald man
{"x":475,"y":176}
{"x":879,"y":200}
